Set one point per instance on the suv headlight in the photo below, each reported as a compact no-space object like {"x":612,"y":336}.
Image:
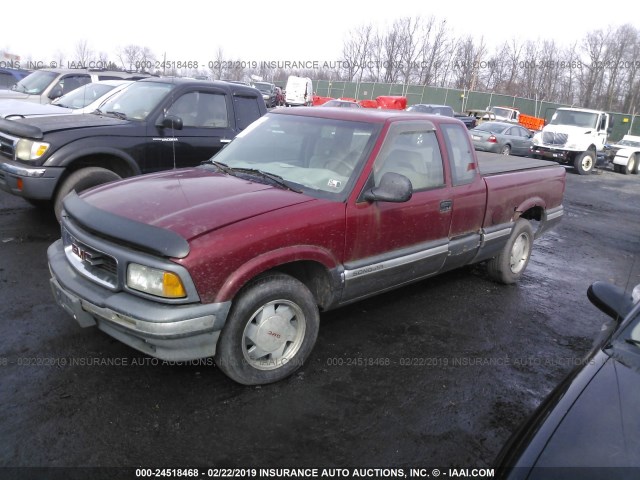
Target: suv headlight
{"x":153,"y":281}
{"x":30,"y":150}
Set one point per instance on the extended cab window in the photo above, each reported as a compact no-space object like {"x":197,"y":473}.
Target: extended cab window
{"x":247,"y":110}
{"x":463,"y":163}
{"x":201,"y":109}
{"x":411,"y":150}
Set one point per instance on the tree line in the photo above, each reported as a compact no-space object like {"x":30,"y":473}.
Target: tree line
{"x":601,"y":70}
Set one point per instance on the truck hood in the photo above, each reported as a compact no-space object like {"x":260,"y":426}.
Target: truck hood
{"x":190,"y":202}
{"x":36,"y":127}
{"x":11,"y":107}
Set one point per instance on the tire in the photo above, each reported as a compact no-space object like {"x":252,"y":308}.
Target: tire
{"x":271,"y":330}
{"x":81,"y":180}
{"x":631,"y":166}
{"x":617,"y":168}
{"x":512,"y":261}
{"x":584,"y":162}
{"x":506,"y":150}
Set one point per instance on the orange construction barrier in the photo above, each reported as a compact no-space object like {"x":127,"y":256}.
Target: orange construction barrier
{"x":531,"y":122}
{"x":393,"y":103}
{"x":317,"y":100}
{"x":368,"y":103}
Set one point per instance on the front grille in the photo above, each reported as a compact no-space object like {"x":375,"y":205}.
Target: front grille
{"x":7,"y":145}
{"x":89,"y":262}
{"x":550,"y":138}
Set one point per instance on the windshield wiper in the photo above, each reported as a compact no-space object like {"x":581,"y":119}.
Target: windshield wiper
{"x":632,"y":341}
{"x":277,"y":179}
{"x":120,"y":115}
{"x":223,"y":167}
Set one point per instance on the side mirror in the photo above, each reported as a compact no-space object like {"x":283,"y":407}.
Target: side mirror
{"x":393,"y":188}
{"x":171,"y":121}
{"x":55,"y":92}
{"x":610,"y":299}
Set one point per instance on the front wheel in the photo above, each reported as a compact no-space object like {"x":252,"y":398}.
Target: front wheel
{"x":584,"y":162}
{"x":271,"y":330}
{"x":632,"y":165}
{"x":81,"y":180}
{"x":512,"y":261}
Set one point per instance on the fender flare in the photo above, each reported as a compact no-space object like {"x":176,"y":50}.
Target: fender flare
{"x":270,"y":260}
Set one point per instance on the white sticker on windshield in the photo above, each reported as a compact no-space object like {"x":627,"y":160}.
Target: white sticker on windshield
{"x":334,"y":183}
{"x":251,"y":127}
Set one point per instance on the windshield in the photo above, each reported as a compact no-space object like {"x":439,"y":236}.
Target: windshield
{"x":263,"y":87}
{"x":138,"y":100}
{"x":574,"y":118}
{"x":83,"y":96}
{"x":433,"y":109}
{"x":36,"y":82}
{"x":628,"y":143}
{"x":501,"y":112}
{"x":319,"y":156}
{"x":492,"y":127}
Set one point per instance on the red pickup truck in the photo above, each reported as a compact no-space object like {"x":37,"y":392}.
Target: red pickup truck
{"x":308,"y":209}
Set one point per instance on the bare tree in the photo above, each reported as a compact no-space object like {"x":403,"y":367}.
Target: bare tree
{"x":355,"y":51}
{"x":83,"y":53}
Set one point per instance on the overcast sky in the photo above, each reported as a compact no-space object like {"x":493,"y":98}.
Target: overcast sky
{"x":187,"y":30}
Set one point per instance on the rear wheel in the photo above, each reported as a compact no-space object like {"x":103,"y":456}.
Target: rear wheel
{"x":512,"y":261}
{"x":617,"y":168}
{"x":584,"y":162}
{"x":506,"y":150}
{"x":81,"y":180}
{"x":271,"y":330}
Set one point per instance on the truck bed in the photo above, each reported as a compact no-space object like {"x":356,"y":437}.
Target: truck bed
{"x":494,"y":163}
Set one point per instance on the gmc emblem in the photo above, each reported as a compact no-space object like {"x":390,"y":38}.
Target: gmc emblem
{"x":85,"y":255}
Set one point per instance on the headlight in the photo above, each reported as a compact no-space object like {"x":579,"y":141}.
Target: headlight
{"x":30,"y":150}
{"x":154,"y":281}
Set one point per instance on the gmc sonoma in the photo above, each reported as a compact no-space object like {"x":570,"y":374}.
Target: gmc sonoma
{"x":308,"y":209}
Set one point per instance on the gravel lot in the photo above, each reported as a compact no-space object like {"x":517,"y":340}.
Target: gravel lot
{"x":437,"y":374}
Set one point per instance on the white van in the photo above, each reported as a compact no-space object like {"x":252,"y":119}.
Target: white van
{"x":299,"y":91}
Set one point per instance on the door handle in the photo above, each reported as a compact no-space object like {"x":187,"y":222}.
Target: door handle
{"x":445,"y":205}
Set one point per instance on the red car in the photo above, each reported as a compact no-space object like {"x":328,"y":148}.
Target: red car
{"x":308,"y":209}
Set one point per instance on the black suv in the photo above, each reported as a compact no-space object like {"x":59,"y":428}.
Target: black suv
{"x":155,"y":124}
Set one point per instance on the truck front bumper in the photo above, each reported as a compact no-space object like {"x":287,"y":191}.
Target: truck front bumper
{"x":37,"y":183}
{"x":168,"y":332}
{"x":552,"y":153}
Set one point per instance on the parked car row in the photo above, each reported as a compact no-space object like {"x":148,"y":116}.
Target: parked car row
{"x":44,"y":86}
{"x":85,"y":99}
{"x":153,"y":124}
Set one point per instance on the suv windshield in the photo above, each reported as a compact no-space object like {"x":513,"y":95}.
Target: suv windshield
{"x":319,"y":156}
{"x":138,"y":100}
{"x":36,"y":82}
{"x":574,"y":118}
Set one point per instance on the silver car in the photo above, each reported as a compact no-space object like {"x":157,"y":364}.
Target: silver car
{"x":502,"y":137}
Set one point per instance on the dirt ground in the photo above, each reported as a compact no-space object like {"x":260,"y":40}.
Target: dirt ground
{"x":437,"y":374}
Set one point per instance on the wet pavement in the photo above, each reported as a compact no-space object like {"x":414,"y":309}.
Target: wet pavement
{"x":437,"y":374}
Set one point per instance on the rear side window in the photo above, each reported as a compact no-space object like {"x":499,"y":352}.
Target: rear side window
{"x":463,"y":163}
{"x":247,"y":110}
{"x":412,"y":150}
